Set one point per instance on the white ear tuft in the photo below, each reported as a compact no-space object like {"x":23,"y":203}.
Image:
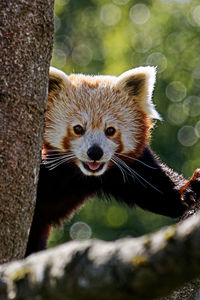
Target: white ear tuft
{"x":139,"y":83}
{"x":57,"y":79}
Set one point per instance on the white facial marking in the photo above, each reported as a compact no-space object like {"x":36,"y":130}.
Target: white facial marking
{"x":95,"y":103}
{"x":146,"y":91}
{"x":81,"y":146}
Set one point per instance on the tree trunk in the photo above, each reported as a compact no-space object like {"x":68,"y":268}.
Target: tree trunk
{"x":26,"y":38}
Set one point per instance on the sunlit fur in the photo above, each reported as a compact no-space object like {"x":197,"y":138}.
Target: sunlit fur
{"x":125,"y":168}
{"x":96,"y":103}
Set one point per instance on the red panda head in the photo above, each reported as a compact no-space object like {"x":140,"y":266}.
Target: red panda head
{"x":96,"y":121}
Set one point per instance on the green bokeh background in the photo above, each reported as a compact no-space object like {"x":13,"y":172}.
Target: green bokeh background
{"x":110,"y":37}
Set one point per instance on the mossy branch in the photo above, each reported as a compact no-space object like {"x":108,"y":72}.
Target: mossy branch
{"x":143,"y":268}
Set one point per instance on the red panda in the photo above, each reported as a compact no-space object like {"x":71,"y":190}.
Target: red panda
{"x":96,"y":142}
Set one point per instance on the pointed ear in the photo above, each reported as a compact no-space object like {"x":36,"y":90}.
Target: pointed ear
{"x":57,"y":80}
{"x":139,"y":83}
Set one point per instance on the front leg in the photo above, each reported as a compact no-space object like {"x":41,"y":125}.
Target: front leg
{"x":39,"y":233}
{"x":154,"y":187}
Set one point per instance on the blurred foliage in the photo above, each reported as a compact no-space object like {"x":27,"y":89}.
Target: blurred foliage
{"x":112,"y":36}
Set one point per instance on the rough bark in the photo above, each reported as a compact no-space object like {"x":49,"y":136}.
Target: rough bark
{"x":136,"y":269}
{"x":26,"y":33}
{"x":190,"y":291}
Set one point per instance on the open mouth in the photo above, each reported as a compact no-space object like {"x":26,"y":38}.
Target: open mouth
{"x":93,"y":166}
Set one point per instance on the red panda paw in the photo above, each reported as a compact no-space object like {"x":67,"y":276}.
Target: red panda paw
{"x":190,"y":192}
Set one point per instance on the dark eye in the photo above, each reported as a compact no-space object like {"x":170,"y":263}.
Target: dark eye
{"x":78,"y":129}
{"x":110,"y":131}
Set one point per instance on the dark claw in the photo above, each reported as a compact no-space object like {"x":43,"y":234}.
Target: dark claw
{"x":189,"y":197}
{"x":195,"y":182}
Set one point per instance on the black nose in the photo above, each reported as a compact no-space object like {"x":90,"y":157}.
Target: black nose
{"x":95,"y":152}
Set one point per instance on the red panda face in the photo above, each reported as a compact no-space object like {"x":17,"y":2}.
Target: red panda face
{"x":92,"y":120}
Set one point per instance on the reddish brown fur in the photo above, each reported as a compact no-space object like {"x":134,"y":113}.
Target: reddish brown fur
{"x":118,"y":140}
{"x":96,"y":103}
{"x":47,"y":147}
{"x":142,"y":136}
{"x":70,"y":136}
{"x":91,"y":82}
{"x":96,"y":123}
{"x":185,"y":187}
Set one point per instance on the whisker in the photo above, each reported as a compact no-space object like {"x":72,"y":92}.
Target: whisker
{"x":53,"y":166}
{"x":143,"y":163}
{"x":121,"y":169}
{"x":151,"y":185}
{"x":46,"y":162}
{"x":137,"y":174}
{"x":55,"y":150}
{"x":56,"y":154}
{"x":131,"y":172}
{"x":126,"y":168}
{"x":47,"y":158}
{"x":53,"y":162}
{"x":52,"y":159}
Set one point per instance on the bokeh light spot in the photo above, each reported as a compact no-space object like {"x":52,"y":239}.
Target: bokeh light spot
{"x":178,"y":1}
{"x":57,"y":23}
{"x":176,"y":42}
{"x":116,"y":216}
{"x":139,"y":13}
{"x":110,"y":14}
{"x":192,"y":106}
{"x":187,"y":136}
{"x":196,"y":15}
{"x":196,"y":72}
{"x":62,"y":2}
{"x":142,"y":43}
{"x":59,"y":57}
{"x":157,"y":59}
{"x":120,"y":2}
{"x":197,"y":129}
{"x":176,"y":114}
{"x":80,"y":231}
{"x":82,"y":55}
{"x":176,"y":91}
